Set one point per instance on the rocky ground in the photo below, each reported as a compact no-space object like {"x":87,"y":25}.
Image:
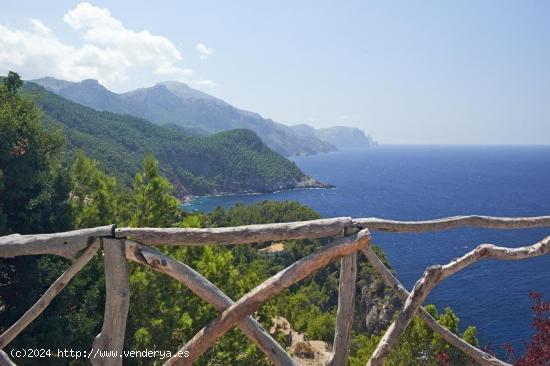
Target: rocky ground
{"x":306,"y":352}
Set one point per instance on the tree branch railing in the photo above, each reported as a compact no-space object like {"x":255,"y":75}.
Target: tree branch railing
{"x":352,"y":236}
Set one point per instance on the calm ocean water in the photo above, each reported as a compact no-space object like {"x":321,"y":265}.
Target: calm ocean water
{"x":414,"y":183}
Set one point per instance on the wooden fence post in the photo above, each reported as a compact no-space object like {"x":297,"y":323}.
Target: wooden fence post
{"x":108,"y":345}
{"x":344,"y":316}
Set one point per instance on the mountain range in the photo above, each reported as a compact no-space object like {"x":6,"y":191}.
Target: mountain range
{"x":234,"y":161}
{"x":197,"y":113}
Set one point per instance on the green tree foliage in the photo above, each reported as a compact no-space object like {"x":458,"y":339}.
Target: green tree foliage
{"x":93,"y":195}
{"x":419,"y":345}
{"x":33,"y":189}
{"x":261,"y":213}
{"x":155,"y":206}
{"x":13,"y":83}
{"x":165,"y":314}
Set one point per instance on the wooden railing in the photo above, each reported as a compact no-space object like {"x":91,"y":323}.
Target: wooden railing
{"x":351,"y":236}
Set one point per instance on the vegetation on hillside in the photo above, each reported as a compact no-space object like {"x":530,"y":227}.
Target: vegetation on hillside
{"x":231,"y":161}
{"x":177,"y":104}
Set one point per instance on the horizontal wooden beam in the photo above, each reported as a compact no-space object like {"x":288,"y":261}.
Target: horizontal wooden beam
{"x":489,"y":222}
{"x":317,"y":229}
{"x":238,"y":234}
{"x":252,"y":301}
{"x":67,"y":244}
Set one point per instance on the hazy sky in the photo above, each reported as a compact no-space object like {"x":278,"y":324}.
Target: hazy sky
{"x":406,"y":72}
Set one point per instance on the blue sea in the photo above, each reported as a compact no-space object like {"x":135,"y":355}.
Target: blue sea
{"x":425,"y":182}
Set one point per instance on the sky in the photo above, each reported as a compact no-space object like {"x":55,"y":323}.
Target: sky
{"x":406,"y":72}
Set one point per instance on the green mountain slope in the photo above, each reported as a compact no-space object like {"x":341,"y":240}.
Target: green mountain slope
{"x":231,"y":161}
{"x":178,"y":104}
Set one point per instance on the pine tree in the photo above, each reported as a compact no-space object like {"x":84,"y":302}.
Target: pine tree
{"x":93,"y":197}
{"x":154,"y":204}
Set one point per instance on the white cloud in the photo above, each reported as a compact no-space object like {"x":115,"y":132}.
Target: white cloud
{"x":204,"y":51}
{"x":110,"y":52}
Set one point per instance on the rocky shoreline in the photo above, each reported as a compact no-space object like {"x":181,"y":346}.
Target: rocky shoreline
{"x":308,"y":183}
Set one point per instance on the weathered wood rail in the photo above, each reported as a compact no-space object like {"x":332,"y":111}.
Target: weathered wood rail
{"x":350,"y":237}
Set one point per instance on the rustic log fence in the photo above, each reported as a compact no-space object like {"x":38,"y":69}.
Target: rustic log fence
{"x":351,"y":236}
